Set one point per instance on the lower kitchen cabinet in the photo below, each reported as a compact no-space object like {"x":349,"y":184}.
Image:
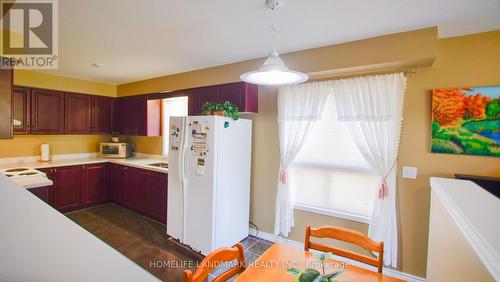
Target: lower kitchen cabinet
{"x":140,"y":190}
{"x":94,"y":184}
{"x":136,"y":197}
{"x":122,"y":187}
{"x":67,"y":188}
{"x":77,"y":187}
{"x":42,"y":193}
{"x":156,"y":192}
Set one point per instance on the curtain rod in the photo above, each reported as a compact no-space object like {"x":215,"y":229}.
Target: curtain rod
{"x":407,"y":72}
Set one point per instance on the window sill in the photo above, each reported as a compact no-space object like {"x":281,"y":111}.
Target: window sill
{"x":337,"y":214}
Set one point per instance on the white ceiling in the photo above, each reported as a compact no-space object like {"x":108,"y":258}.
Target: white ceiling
{"x":136,"y":40}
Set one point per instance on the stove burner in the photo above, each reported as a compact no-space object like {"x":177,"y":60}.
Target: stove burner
{"x":28,"y":173}
{"x":16,"y":169}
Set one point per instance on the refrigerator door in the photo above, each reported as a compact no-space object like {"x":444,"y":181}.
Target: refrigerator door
{"x":200,"y":160}
{"x":232,"y":193}
{"x":176,"y":178}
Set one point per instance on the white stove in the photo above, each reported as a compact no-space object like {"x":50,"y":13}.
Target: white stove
{"x":27,"y":177}
{"x":21,"y":172}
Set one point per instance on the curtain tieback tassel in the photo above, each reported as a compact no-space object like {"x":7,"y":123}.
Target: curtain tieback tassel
{"x":382,"y":191}
{"x":282,"y":176}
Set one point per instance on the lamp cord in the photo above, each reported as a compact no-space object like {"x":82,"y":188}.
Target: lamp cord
{"x":276,"y":34}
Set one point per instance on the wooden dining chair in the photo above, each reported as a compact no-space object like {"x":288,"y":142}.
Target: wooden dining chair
{"x":216,"y":259}
{"x":346,"y":235}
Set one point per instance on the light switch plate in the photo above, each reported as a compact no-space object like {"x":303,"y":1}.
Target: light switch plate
{"x":409,"y":172}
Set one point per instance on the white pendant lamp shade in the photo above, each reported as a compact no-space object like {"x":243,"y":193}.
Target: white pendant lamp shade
{"x":274,"y":70}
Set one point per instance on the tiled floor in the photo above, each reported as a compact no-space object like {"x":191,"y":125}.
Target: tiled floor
{"x":144,"y":241}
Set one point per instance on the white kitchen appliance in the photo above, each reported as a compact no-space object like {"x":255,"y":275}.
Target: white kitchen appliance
{"x":27,"y":177}
{"x":209,"y":181}
{"x":115,"y":150}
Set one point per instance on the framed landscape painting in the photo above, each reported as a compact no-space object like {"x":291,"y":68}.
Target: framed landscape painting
{"x":466,"y":121}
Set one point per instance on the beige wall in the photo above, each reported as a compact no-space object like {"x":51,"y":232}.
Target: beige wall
{"x":29,"y":145}
{"x":55,"y":82}
{"x":395,"y":51}
{"x":462,"y":61}
{"x":451,"y":257}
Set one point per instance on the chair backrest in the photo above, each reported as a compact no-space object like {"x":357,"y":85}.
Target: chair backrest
{"x":216,"y":259}
{"x":346,"y":235}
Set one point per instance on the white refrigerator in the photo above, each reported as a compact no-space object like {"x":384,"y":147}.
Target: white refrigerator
{"x":209,"y":181}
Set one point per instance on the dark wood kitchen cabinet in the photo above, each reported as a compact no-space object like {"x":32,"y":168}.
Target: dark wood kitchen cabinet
{"x":88,"y":114}
{"x":111,"y":182}
{"x":241,"y":94}
{"x":6,"y":105}
{"x":244,"y":95}
{"x":43,"y":193}
{"x":138,"y":115}
{"x":102,"y":114}
{"x":136,"y":197}
{"x":21,"y":98}
{"x":211,"y":94}
{"x":122,"y":186}
{"x":156,"y":196}
{"x":140,"y":190}
{"x":67,"y":188}
{"x":40,"y":111}
{"x":78,"y":114}
{"x":47,"y":112}
{"x":94,"y":184}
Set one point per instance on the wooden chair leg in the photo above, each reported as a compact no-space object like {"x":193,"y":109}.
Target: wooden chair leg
{"x":306,"y":239}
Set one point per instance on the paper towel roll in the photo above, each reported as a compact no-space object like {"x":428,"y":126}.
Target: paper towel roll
{"x":44,"y":152}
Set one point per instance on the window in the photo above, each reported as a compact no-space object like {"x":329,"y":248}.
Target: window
{"x":329,"y":175}
{"x":172,"y":107}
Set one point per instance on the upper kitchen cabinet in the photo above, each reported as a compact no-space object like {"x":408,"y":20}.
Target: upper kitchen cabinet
{"x":138,"y":115}
{"x":6,"y":84}
{"x":211,"y":94}
{"x":47,"y":112}
{"x":21,"y":98}
{"x":78,"y":114}
{"x":102,"y":114}
{"x":241,"y":94}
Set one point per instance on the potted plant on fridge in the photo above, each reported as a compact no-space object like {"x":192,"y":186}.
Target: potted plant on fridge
{"x":226,"y":109}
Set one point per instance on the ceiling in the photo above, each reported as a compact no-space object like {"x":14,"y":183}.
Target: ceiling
{"x":135,"y":40}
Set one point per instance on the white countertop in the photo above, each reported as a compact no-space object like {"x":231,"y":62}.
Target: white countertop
{"x":477,"y":214}
{"x":37,"y":243}
{"x":138,"y":161}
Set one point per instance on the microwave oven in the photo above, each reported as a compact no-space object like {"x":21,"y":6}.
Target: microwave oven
{"x":115,"y":150}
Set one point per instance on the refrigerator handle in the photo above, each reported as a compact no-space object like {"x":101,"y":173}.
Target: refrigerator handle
{"x":182,"y":171}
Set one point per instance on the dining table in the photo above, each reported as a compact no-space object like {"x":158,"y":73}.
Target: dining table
{"x":273,"y":264}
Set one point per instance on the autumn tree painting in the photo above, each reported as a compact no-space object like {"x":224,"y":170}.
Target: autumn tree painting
{"x":466,"y":121}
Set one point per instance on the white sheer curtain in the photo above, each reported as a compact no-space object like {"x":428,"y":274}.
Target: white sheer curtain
{"x":372,"y":108}
{"x":299,"y":106}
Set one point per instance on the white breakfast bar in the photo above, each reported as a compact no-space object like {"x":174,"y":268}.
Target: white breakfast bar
{"x":37,"y":243}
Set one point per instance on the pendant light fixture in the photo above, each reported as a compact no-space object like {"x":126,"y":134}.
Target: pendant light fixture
{"x":274,"y":70}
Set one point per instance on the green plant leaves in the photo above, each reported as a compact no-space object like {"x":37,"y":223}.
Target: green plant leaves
{"x":230,"y":110}
{"x":324,"y":256}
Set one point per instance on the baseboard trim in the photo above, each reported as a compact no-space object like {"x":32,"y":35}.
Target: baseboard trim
{"x":388,"y":271}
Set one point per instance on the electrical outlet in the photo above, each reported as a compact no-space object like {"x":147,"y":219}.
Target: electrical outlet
{"x":409,"y":172}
